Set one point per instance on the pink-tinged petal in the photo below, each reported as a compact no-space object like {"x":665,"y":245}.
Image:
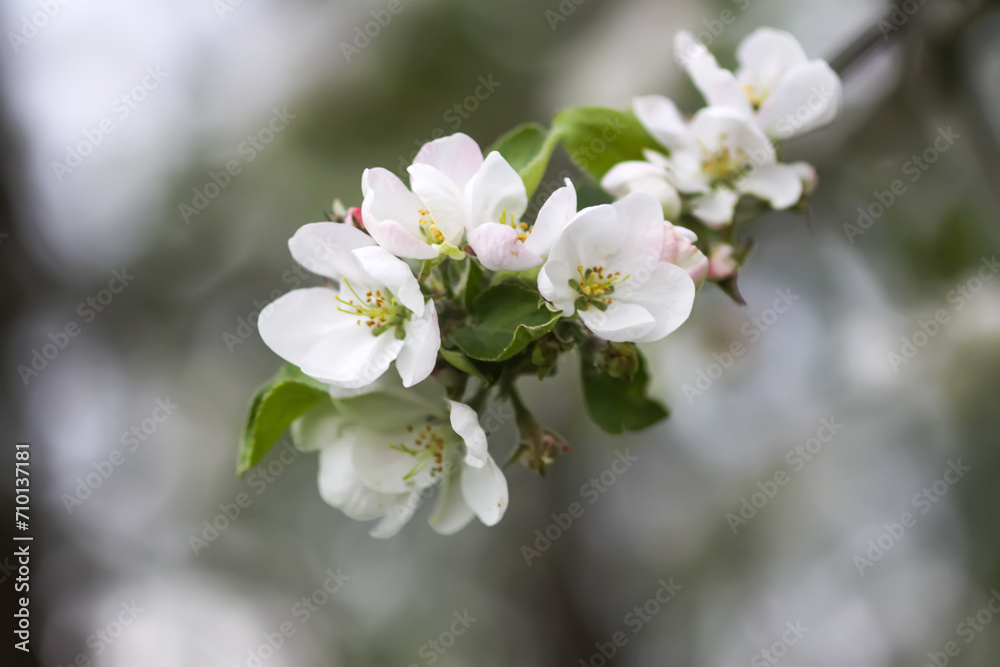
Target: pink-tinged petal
{"x":457,"y":156}
{"x":668,"y":295}
{"x":661,"y":118}
{"x":621,"y":322}
{"x":552,"y":219}
{"x":485,"y":491}
{"x":805,"y":99}
{"x":395,"y":274}
{"x":465,"y":422}
{"x":496,"y":193}
{"x":807,"y":173}
{"x":778,"y":184}
{"x":451,"y":512}
{"x":718,"y":86}
{"x":386,"y":197}
{"x":716,"y":208}
{"x":765,"y":55}
{"x":679,"y":249}
{"x":325,"y":249}
{"x":396,"y":239}
{"x":499,"y":249}
{"x":397,"y":516}
{"x":722,"y":264}
{"x":444,"y":200}
{"x":420,"y":347}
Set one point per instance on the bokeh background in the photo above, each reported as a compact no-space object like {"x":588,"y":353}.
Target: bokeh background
{"x":225,"y":70}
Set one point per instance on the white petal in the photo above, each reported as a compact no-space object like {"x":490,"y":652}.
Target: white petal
{"x":555,"y":214}
{"x":394,"y":273}
{"x":806,"y":98}
{"x":385,"y":469}
{"x":451,"y":513}
{"x":397,"y":516}
{"x":640,"y":221}
{"x":444,"y":200}
{"x":807,"y":173}
{"x":652,"y":179}
{"x":718,"y":86}
{"x":765,"y":55}
{"x":485,"y":490}
{"x":457,"y":156}
{"x":340,"y":486}
{"x":396,"y":239}
{"x":496,"y":193}
{"x":387,"y":198}
{"x":465,"y":422}
{"x":553,"y":284}
{"x":661,"y":118}
{"x":420,"y":347}
{"x":621,"y":322}
{"x":498,"y":248}
{"x":589,"y":239}
{"x":779,"y":184}
{"x":716,"y":208}
{"x":305,"y":328}
{"x":325,"y":248}
{"x":668,"y":295}
{"x":718,"y":128}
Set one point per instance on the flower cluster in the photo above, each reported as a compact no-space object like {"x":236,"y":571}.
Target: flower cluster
{"x":440,"y":293}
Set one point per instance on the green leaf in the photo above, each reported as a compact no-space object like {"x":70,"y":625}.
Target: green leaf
{"x":528,"y":148}
{"x":598,"y":138}
{"x":276,"y":405}
{"x":502,"y":321}
{"x":463,"y":363}
{"x":618,"y":404}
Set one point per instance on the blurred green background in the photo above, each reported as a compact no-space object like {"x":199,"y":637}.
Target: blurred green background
{"x":180,"y":332}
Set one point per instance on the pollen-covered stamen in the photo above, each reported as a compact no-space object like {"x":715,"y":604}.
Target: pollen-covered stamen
{"x":375,"y":309}
{"x":429,"y":228}
{"x":723,"y":164}
{"x":427,"y":448}
{"x":522,"y":228}
{"x":596,"y":285}
{"x":756,"y":95}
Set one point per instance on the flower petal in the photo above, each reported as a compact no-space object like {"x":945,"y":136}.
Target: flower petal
{"x":765,"y":55}
{"x":668,"y":295}
{"x":499,"y":249}
{"x":806,"y":98}
{"x":444,"y":200}
{"x":718,"y":86}
{"x":465,"y":422}
{"x":397,"y":516}
{"x":386,"y":197}
{"x":340,"y":486}
{"x":807,"y":173}
{"x":383,"y":468}
{"x":716,"y":208}
{"x":779,"y":184}
{"x":661,"y":118}
{"x":553,"y":284}
{"x":325,"y":249}
{"x":396,"y":239}
{"x":652,"y":179}
{"x":495,"y":193}
{"x":485,"y":490}
{"x":392,"y":272}
{"x":457,"y":156}
{"x":555,"y":214}
{"x":621,"y":322}
{"x":451,"y":513}
{"x":420,"y":347}
{"x":717,"y":129}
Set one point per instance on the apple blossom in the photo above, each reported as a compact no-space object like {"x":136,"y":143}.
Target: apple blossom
{"x":348,"y":336}
{"x":607,"y":268}
{"x":775,"y":84}
{"x":382,"y":452}
{"x":679,"y":248}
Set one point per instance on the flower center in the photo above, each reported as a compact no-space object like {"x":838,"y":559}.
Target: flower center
{"x":378,"y":312}
{"x":756,"y":96}
{"x":596,"y":285}
{"x":723,"y":165}
{"x":429,"y":228}
{"x":522,"y":228}
{"x":427,"y":449}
